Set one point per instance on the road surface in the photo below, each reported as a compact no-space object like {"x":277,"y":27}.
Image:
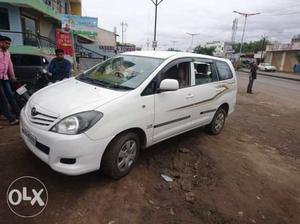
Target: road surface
{"x":284,"y":90}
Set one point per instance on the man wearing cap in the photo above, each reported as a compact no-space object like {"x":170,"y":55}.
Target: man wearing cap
{"x":6,"y":76}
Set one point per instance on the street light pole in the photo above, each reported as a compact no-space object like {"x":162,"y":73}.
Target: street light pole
{"x":156,"y":4}
{"x":192,"y":35}
{"x":246,"y":15}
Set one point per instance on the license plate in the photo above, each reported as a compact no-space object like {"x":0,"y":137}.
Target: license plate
{"x":29,"y":136}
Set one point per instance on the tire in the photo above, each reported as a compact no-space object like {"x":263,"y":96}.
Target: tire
{"x":117,"y":161}
{"x":217,"y":124}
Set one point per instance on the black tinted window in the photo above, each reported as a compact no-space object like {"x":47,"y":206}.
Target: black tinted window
{"x":4,"y":21}
{"x":26,"y":60}
{"x":224,"y":70}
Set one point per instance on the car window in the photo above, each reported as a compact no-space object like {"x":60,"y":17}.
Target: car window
{"x":30,"y":60}
{"x":224,"y":70}
{"x":16,"y":59}
{"x":121,"y":72}
{"x":204,"y":73}
{"x":26,"y":60}
{"x":180,"y":72}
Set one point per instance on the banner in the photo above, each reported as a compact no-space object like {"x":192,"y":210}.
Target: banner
{"x":79,"y":24}
{"x":64,"y":41}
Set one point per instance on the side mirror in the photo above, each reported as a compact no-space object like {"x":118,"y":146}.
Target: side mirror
{"x":169,"y":85}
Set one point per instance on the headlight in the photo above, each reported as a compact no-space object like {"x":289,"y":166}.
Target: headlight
{"x":77,"y":123}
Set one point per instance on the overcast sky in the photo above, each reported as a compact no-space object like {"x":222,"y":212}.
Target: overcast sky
{"x":279,"y":20}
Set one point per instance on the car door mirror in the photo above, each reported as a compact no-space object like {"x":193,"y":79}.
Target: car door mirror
{"x":169,"y":85}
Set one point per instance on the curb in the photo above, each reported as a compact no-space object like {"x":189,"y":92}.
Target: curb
{"x":274,"y":76}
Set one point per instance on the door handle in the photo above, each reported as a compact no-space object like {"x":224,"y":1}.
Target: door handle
{"x":189,"y":96}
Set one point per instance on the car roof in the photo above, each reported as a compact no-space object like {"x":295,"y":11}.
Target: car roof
{"x":168,"y":54}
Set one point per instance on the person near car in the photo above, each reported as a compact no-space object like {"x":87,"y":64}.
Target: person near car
{"x":59,"y":67}
{"x":7,"y":76}
{"x":252,"y":77}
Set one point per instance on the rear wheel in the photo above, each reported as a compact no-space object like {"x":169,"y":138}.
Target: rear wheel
{"x":121,"y":155}
{"x":217,"y":124}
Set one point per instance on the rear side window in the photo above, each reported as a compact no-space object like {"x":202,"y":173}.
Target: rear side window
{"x":224,"y":70}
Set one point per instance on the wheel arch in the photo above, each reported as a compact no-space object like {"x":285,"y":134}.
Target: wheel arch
{"x":225,"y":106}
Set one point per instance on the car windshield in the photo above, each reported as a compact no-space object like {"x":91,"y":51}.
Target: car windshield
{"x":267,"y":64}
{"x":121,"y":72}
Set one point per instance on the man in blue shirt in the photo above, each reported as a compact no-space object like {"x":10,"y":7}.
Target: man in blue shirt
{"x":59,"y":66}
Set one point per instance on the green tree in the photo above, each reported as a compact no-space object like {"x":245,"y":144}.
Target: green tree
{"x":252,"y":46}
{"x":204,"y":50}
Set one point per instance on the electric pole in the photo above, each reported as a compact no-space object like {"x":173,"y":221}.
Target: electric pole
{"x":124,"y":29}
{"x":246,"y":15}
{"x":192,"y":35}
{"x":234,"y":29}
{"x":264,"y":38}
{"x":156,"y":4}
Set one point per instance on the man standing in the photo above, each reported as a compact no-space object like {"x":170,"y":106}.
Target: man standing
{"x":59,"y":66}
{"x":6,"y":76}
{"x":252,"y":77}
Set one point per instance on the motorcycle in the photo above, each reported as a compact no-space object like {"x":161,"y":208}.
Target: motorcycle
{"x":22,"y":93}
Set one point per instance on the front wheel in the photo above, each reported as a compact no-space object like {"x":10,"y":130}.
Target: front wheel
{"x":217,"y":124}
{"x":121,"y":155}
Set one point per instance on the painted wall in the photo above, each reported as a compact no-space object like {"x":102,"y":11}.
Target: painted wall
{"x":15,"y":24}
{"x":75,"y":8}
{"x":278,"y":60}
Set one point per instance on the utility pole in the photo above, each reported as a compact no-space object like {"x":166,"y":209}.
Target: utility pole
{"x":192,"y":35}
{"x":264,"y":38}
{"x":156,"y":4}
{"x":124,"y":29}
{"x":234,"y":29}
{"x":246,"y":15}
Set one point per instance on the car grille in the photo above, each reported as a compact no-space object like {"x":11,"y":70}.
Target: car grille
{"x":40,"y":117}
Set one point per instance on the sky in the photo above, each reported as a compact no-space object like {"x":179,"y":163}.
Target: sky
{"x":211,"y":19}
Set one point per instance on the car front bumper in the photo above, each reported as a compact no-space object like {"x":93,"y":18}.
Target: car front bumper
{"x":60,"y":151}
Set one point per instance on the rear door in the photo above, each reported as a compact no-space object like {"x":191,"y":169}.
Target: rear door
{"x":173,"y":113}
{"x":206,"y":90}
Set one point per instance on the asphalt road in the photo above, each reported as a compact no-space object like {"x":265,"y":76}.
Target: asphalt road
{"x":284,"y":90}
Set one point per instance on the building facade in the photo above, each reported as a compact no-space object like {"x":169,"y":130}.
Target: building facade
{"x":283,"y":56}
{"x":222,"y":49}
{"x":32,"y":23}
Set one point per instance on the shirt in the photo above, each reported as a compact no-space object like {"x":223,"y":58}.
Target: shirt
{"x":60,"y":69}
{"x":6,"y":66}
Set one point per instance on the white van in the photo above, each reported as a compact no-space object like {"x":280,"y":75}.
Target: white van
{"x":104,"y":116}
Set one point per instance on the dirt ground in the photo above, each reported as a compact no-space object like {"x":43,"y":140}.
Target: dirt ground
{"x":250,"y":173}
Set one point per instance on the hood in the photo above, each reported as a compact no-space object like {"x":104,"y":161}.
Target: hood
{"x":72,"y":96}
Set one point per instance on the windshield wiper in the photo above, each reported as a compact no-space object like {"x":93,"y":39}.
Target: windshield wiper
{"x":121,"y":87}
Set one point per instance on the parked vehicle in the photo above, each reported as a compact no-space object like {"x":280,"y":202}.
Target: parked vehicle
{"x":22,"y":93}
{"x":27,"y":66}
{"x":104,"y":116}
{"x":266,"y":67}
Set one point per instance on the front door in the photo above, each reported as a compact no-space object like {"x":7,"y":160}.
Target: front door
{"x":172,"y":113}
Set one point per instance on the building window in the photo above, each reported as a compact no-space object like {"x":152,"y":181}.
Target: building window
{"x":4,"y":21}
